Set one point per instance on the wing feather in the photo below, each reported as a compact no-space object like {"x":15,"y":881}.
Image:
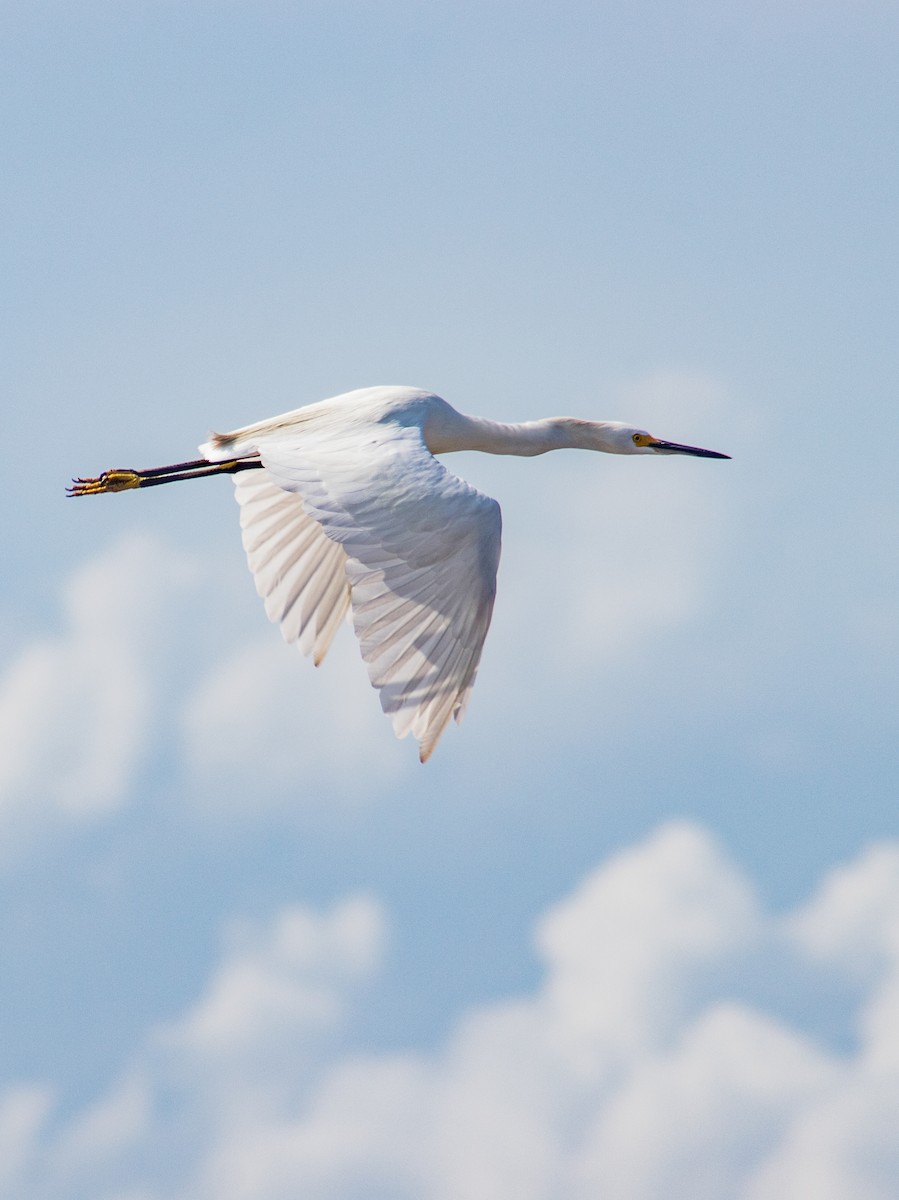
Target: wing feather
{"x":299,"y":571}
{"x":420,"y":549}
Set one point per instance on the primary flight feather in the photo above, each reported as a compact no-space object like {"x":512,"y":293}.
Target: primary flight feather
{"x":343,"y":506}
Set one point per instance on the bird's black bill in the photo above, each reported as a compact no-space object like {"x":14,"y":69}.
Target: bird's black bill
{"x":123,"y":479}
{"x":676,"y":448}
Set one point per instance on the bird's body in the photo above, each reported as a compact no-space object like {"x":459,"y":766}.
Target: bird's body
{"x":345,"y":508}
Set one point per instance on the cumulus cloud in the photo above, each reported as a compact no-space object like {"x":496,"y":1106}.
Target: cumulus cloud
{"x":75,"y":708}
{"x":635,"y":1070}
{"x":622,"y":951}
{"x":272,"y":1006}
{"x":251,"y":1047}
{"x":686,"y":1120}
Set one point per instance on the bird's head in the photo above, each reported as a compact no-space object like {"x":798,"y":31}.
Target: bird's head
{"x":619,"y":438}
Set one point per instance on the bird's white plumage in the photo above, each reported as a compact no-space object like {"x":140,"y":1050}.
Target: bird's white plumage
{"x":361,"y":511}
{"x":299,"y":571}
{"x":350,"y":508}
{"x":343,"y":505}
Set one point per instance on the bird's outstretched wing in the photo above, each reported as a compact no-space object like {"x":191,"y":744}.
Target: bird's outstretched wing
{"x":422,"y":550}
{"x":300,"y":572}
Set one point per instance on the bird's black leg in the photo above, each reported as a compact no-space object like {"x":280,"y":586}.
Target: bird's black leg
{"x":122,"y":479}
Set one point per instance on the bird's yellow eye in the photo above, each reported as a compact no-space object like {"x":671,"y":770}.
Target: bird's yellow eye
{"x":641,"y":439}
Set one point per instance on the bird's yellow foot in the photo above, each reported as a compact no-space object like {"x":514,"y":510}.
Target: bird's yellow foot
{"x":109,"y":481}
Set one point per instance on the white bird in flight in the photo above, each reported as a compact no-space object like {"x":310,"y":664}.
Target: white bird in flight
{"x":343,"y":506}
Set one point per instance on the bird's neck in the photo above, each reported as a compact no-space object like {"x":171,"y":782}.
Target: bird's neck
{"x":455,"y":431}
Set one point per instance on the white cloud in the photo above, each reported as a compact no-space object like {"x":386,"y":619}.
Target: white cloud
{"x":686,"y":1119}
{"x":274,"y":1002}
{"x":23,"y":1111}
{"x":107,"y":1129}
{"x":75,"y":709}
{"x":633,"y":1071}
{"x":263,"y":718}
{"x":623,"y":951}
{"x":251,"y":1046}
{"x":853,"y":921}
{"x":842,"y":1145}
{"x":854,"y":926}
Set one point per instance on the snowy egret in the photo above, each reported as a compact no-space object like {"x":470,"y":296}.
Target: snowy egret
{"x":344,"y":507}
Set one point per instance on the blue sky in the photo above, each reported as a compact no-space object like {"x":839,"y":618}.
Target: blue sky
{"x":246,"y":935}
